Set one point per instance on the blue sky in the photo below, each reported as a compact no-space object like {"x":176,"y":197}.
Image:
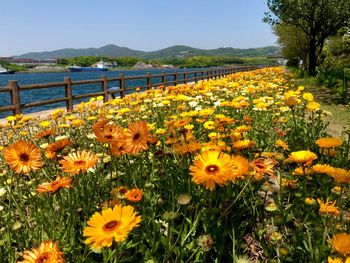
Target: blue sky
{"x":148,"y":25}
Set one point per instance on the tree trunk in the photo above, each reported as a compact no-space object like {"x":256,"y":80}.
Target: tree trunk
{"x":312,"y":57}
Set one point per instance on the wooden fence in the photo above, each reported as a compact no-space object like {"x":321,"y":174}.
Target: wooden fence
{"x":203,"y":74}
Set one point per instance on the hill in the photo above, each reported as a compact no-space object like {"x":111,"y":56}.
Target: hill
{"x":177,"y":51}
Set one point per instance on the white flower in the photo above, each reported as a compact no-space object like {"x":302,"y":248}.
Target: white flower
{"x":58,"y":138}
{"x":2,"y":191}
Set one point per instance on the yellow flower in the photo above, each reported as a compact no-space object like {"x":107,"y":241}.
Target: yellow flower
{"x":45,"y":124}
{"x":303,"y":157}
{"x":282,"y":144}
{"x":209,"y":125}
{"x":112,"y":224}
{"x":10,"y":118}
{"x":99,"y":98}
{"x":312,"y":106}
{"x":308,"y":96}
{"x":335,"y":260}
{"x":341,"y":243}
{"x":310,"y":201}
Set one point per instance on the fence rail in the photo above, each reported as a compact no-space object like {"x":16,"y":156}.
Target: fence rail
{"x":204,"y":74}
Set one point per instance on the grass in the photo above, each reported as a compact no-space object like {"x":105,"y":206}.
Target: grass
{"x":339,"y":121}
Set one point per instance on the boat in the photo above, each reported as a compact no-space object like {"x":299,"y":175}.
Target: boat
{"x":100,"y":66}
{"x":5,"y":71}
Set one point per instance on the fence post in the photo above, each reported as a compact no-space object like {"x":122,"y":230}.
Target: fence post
{"x":104,"y":84}
{"x":68,"y":93}
{"x":15,"y":99}
{"x":163,"y":78}
{"x":175,"y":78}
{"x":149,"y":80}
{"x":195,"y":77}
{"x":185,"y":76}
{"x":122,"y":85}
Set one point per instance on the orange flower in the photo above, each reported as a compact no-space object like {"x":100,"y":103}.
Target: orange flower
{"x":45,"y":133}
{"x":262,"y":166}
{"x":54,"y":148}
{"x":322,"y":168}
{"x":189,"y":147}
{"x":23,"y":157}
{"x":107,"y":133}
{"x":328,"y":142}
{"x":341,"y":243}
{"x":328,"y":208}
{"x":243,"y":144}
{"x":134,"y":195}
{"x":212,"y":167}
{"x":78,"y":161}
{"x":340,"y":175}
{"x":46,"y":252}
{"x":51,"y":187}
{"x":137,"y":137}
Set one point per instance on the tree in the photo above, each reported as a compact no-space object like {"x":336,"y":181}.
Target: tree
{"x":318,"y":19}
{"x":294,"y":43}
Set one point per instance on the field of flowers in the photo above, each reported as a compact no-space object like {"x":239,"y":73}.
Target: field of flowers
{"x":237,"y":169}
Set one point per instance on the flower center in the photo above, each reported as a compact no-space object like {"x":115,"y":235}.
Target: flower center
{"x":212,"y":169}
{"x":42,"y":258}
{"x":79,"y":163}
{"x":136,"y":136}
{"x":111,"y":225}
{"x":109,"y":137}
{"x":24,"y":157}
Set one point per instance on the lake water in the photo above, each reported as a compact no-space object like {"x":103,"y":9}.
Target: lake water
{"x":27,"y":96}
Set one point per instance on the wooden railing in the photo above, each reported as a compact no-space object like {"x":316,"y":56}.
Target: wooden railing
{"x":203,"y":74}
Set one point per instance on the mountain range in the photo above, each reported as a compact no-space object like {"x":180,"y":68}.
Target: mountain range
{"x":177,"y":51}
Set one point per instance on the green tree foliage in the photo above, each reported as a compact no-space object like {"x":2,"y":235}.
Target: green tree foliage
{"x":318,"y":19}
{"x":293,"y":42}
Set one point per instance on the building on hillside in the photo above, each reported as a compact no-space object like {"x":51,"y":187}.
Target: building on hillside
{"x":142,"y":65}
{"x":29,"y":62}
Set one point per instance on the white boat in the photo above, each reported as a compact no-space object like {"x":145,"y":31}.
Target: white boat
{"x":5,"y":71}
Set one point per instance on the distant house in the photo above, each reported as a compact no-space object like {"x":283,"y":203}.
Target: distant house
{"x":279,"y":58}
{"x":142,"y":65}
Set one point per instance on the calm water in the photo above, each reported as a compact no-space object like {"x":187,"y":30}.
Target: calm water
{"x":50,"y":93}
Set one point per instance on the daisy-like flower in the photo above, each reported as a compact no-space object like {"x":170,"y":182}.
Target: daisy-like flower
{"x":329,"y":142}
{"x":263,"y":166}
{"x":46,"y":252}
{"x":341,"y":243}
{"x":328,"y":208}
{"x":340,"y":175}
{"x":54,"y":148}
{"x":45,"y":133}
{"x":137,"y":137}
{"x":107,"y":133}
{"x":58,"y":183}
{"x":302,"y":157}
{"x":112,"y":224}
{"x":23,"y":157}
{"x":78,"y":161}
{"x":243,"y":144}
{"x":134,"y":195}
{"x":282,"y":144}
{"x":212,"y":167}
{"x":241,"y":166}
{"x":322,"y":169}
